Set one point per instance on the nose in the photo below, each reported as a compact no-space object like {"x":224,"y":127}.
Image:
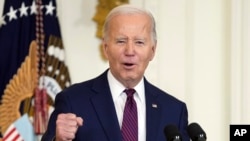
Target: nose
{"x":129,"y":49}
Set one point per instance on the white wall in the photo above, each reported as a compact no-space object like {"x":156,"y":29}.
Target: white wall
{"x":191,"y":62}
{"x":202,"y":55}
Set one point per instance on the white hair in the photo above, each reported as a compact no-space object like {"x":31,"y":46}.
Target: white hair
{"x":129,"y":9}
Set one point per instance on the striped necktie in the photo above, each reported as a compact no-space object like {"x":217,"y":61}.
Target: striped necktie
{"x":130,"y":121}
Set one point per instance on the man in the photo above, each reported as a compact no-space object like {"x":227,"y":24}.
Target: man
{"x":95,"y":110}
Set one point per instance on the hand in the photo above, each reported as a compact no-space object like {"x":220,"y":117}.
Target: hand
{"x":66,"y":126}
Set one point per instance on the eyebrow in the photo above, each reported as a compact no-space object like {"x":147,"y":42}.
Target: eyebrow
{"x":126,"y":38}
{"x":121,"y":38}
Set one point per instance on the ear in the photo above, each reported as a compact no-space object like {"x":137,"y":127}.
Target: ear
{"x":104,"y":48}
{"x":153,"y":51}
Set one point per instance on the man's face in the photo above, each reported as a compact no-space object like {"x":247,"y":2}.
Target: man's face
{"x":129,"y":47}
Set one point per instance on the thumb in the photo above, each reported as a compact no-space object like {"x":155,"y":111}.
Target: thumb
{"x":79,"y":121}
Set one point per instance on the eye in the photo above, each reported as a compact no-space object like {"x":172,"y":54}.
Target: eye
{"x":120,"y":41}
{"x":139,"y":42}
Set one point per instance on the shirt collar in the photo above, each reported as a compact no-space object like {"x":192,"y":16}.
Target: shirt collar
{"x":117,"y":88}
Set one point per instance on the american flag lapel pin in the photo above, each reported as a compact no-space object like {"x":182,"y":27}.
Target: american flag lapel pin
{"x":154,"y":105}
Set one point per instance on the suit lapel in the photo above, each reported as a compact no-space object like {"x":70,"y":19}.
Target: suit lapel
{"x":105,"y":109}
{"x":153,"y":113}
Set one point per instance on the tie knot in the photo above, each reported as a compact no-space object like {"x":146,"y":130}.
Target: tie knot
{"x":129,"y":92}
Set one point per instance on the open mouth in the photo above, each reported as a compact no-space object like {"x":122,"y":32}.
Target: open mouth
{"x":128,"y":64}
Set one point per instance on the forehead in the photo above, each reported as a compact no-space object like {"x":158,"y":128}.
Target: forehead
{"x":130,"y":18}
{"x":130,"y":24}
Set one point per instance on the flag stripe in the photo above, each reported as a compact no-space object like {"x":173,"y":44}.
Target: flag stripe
{"x":10,"y":131}
{"x":17,"y":137}
{"x":12,"y":134}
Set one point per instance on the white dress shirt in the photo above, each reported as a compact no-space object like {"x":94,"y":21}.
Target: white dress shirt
{"x":119,"y":98}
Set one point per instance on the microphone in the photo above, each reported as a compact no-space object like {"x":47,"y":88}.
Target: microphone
{"x":172,"y":133}
{"x":196,"y":133}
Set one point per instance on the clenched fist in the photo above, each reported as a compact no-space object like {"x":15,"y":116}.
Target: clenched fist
{"x":66,"y":126}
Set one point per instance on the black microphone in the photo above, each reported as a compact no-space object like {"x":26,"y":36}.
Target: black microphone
{"x":172,"y":133}
{"x":196,"y":133}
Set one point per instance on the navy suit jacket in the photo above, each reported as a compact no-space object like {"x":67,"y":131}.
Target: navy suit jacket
{"x":92,"y":101}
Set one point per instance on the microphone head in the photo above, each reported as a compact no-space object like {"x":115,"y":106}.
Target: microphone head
{"x":195,"y":132}
{"x":172,"y":133}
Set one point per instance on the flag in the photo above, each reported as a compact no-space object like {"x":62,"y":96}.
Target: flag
{"x":24,"y":22}
{"x":18,"y":132}
{"x":12,"y":134}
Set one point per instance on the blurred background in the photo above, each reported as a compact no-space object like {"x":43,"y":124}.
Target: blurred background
{"x":202,"y":58}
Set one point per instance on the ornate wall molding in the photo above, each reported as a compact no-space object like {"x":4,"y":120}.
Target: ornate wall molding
{"x":240,"y":61}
